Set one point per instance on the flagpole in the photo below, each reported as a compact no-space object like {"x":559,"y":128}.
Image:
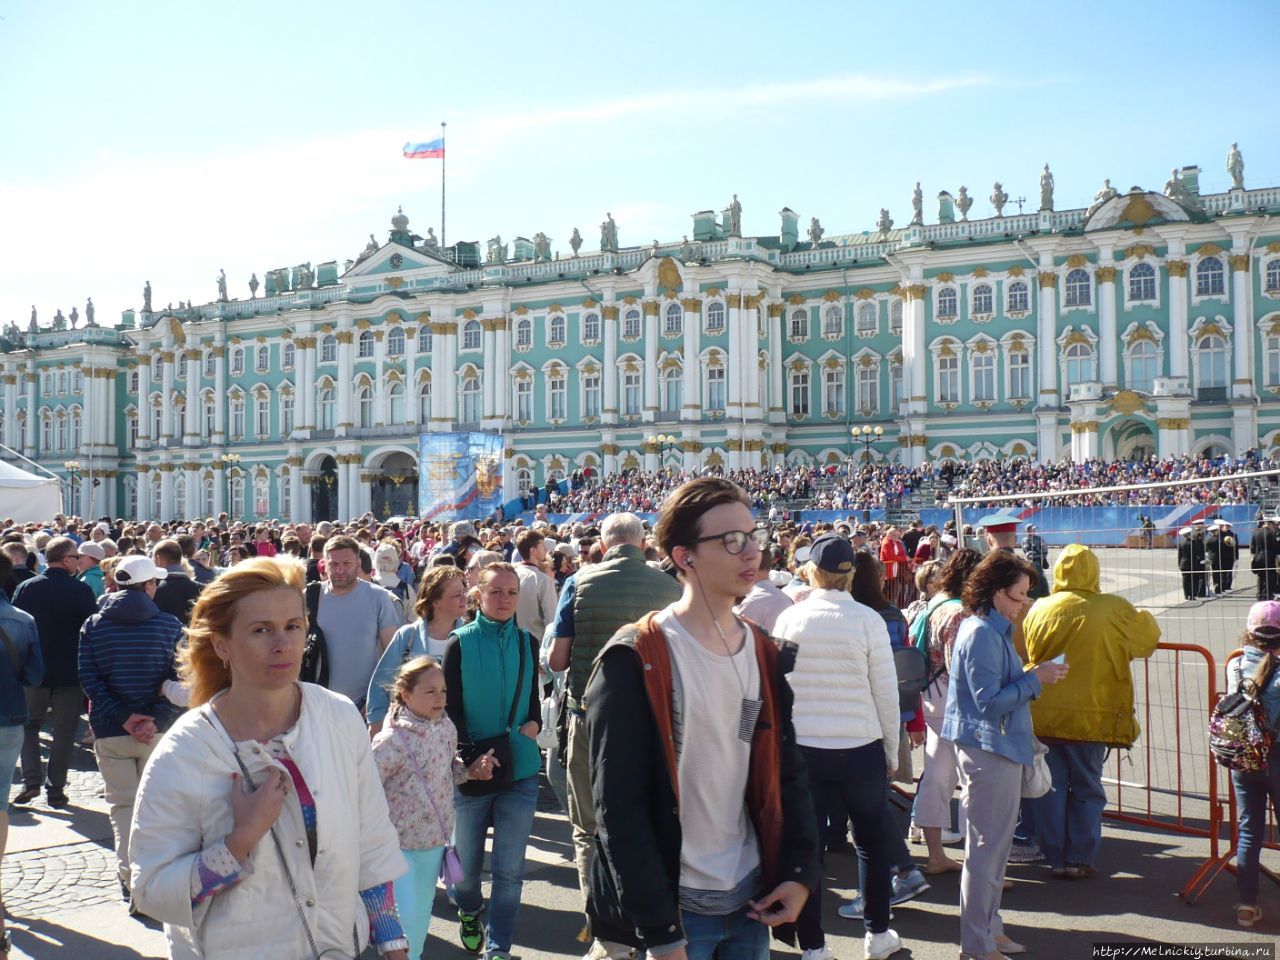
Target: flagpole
{"x":443,"y":161}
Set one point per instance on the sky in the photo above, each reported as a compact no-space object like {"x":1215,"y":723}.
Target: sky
{"x":167,"y":140}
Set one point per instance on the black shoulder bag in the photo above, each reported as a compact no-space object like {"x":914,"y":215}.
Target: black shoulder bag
{"x":315,"y":655}
{"x":500,"y":745}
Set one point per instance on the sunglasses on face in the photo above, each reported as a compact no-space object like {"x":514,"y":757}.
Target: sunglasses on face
{"x":735,"y":541}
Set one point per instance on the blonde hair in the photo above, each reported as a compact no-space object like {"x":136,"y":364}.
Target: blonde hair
{"x":109,"y":569}
{"x":407,"y":678}
{"x":926,"y":572}
{"x":432,"y":588}
{"x":199,"y":665}
{"x":826,"y":580}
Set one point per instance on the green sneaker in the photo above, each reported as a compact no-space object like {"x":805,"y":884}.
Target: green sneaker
{"x":470,"y":932}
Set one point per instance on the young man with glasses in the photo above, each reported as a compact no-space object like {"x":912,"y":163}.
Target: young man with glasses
{"x":60,"y":604}
{"x":703,"y":810}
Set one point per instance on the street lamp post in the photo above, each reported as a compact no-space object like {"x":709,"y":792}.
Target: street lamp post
{"x":866,"y":435}
{"x":230,"y":462}
{"x":663,"y":442}
{"x":73,"y":468}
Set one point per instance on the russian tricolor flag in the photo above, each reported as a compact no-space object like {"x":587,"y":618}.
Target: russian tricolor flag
{"x":425,"y":151}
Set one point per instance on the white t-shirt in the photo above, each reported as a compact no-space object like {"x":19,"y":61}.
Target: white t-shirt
{"x":719,"y":850}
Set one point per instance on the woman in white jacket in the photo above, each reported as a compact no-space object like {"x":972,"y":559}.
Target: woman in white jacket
{"x":261,"y":827}
{"x":847,"y":720}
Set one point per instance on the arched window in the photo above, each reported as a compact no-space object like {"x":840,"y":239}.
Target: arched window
{"x":1211,"y":362}
{"x":799,"y":324}
{"x":262,"y":415}
{"x":206,"y":490}
{"x":895,"y":318}
{"x":1019,"y":374}
{"x":868,"y":319}
{"x":524,"y":332}
{"x":948,"y":304}
{"x":557,"y":395}
{"x":133,"y":381}
{"x":395,"y":398}
{"x":1142,"y":282}
{"x":364,"y":407}
{"x":897,"y":385}
{"x":800,"y":392}
{"x":672,"y":390}
{"x":471,"y":335}
{"x":328,"y":348}
{"x":130,"y":427}
{"x":46,"y":432}
{"x":424,"y":338}
{"x":237,"y":417}
{"x":237,"y":495}
{"x":948,"y":377}
{"x":157,"y":421}
{"x":237,"y":362}
{"x":869,"y":388}
{"x":524,"y":400}
{"x":471,"y":400}
{"x":1079,"y":364}
{"x":395,"y":342}
{"x":984,"y":376}
{"x":1144,"y":366}
{"x":62,"y":382}
{"x":555,"y":330}
{"x":424,"y":402}
{"x":210,"y":364}
{"x":60,"y":423}
{"x":364,"y":344}
{"x":1018,"y":298}
{"x":1075,"y":290}
{"x":286,"y":497}
{"x":524,"y":481}
{"x":77,"y":381}
{"x":983,"y":301}
{"x":673,"y":323}
{"x":715,"y":317}
{"x":631,"y":393}
{"x":264,"y":358}
{"x":261,"y":495}
{"x":75,"y":429}
{"x":325,"y":408}
{"x":631,"y":325}
{"x":591,"y":326}
{"x":1271,"y":283}
{"x":287,"y":355}
{"x":716,"y":393}
{"x":286,"y":414}
{"x":833,"y":391}
{"x":1209,"y":277}
{"x":833,"y":320}
{"x":1271,"y":349}
{"x":157,"y":367}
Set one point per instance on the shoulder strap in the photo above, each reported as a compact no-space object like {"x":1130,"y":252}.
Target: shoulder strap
{"x":1263,"y":673}
{"x":515,"y":701}
{"x":313,"y":600}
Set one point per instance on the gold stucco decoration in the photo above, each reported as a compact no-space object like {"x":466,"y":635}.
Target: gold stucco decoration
{"x":1077,"y":260}
{"x":1139,"y":211}
{"x":1239,"y":262}
{"x":1047,"y":281}
{"x":796,"y":299}
{"x":866,"y":293}
{"x":1016,"y":271}
{"x":1126,"y":402}
{"x":946,"y":277}
{"x":395,"y":283}
{"x":1106,"y":274}
{"x":980,"y":272}
{"x":669,"y":279}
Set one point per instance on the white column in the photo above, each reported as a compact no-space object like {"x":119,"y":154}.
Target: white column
{"x":143,"y":488}
{"x":1047,"y":342}
{"x":220,"y":398}
{"x":734,"y":319}
{"x":195,"y":403}
{"x":344,"y":385}
{"x":411,"y":377}
{"x":301,"y":503}
{"x":650,"y":367}
{"x":219,"y":488}
{"x":345,"y":489}
{"x":502,"y":364}
{"x":749,"y":361}
{"x":109,"y":391}
{"x":1109,"y":343}
{"x":444,"y":385}
{"x":1242,"y":325}
{"x":489,"y":372}
{"x":192,"y":507}
{"x":777,"y":388}
{"x":144,"y":407}
{"x":692,"y":409}
{"x":166,"y":400}
{"x":915,"y":350}
{"x":30,"y":448}
{"x":1179,"y":358}
{"x":166,"y":493}
{"x":10,"y":406}
{"x":609,"y":411}
{"x":380,"y":414}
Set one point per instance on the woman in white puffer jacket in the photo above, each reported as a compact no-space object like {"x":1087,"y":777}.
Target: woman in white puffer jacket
{"x":846,"y":720}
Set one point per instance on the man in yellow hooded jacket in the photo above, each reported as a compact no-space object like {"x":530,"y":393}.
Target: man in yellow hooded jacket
{"x":1098,"y":634}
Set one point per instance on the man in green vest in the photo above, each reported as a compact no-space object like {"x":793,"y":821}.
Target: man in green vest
{"x":594,"y":604}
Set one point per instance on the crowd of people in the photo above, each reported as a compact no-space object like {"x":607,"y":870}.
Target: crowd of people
{"x":854,"y":487}
{"x":302,"y":731}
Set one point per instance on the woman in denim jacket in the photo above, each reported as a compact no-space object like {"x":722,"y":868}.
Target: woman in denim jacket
{"x":988,"y":719}
{"x":1261,"y":640}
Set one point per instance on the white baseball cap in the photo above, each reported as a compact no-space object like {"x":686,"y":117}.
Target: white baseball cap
{"x":137,"y":569}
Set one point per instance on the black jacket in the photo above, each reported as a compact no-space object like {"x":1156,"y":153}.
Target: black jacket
{"x":1264,"y":548}
{"x":177,"y":594}
{"x":60,"y":605}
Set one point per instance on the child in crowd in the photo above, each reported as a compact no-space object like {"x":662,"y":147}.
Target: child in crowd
{"x":416,"y":754}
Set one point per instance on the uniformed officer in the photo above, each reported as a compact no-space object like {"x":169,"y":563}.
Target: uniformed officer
{"x":1191,"y":563}
{"x":1001,"y":531}
{"x":1264,"y":550}
{"x":1222,"y":549}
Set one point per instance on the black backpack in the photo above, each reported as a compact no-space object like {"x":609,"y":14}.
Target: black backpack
{"x":315,"y":655}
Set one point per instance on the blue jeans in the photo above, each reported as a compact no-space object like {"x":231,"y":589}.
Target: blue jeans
{"x":1252,"y":791}
{"x":1068,"y":819}
{"x":1024,"y":832}
{"x":415,"y":895}
{"x":510,"y":813}
{"x":731,"y":937}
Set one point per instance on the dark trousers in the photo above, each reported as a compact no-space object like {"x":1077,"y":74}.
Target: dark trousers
{"x":853,"y":781}
{"x":1266,"y":583}
{"x":65,"y":703}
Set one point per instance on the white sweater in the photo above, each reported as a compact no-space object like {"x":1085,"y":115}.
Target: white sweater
{"x":844,"y":680}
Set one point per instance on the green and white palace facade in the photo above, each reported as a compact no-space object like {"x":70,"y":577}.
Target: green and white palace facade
{"x":1145,"y":324}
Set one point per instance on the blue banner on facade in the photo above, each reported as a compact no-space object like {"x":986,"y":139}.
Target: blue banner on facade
{"x":1108,"y":526}
{"x":459,"y":475}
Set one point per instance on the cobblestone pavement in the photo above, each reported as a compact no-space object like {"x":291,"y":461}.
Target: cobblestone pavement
{"x":37,"y":882}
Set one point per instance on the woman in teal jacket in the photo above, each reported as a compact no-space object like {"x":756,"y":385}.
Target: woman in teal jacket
{"x":491,"y":667}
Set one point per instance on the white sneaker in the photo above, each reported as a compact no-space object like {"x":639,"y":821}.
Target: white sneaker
{"x":915,"y":834}
{"x":878,"y":946}
{"x":950,"y":838}
{"x":601,"y":951}
{"x":822,"y":953}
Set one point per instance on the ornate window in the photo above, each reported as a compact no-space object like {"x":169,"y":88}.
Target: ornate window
{"x":524,"y":481}
{"x":264,"y":359}
{"x":157,"y":421}
{"x":897,"y":385}
{"x":328,"y":348}
{"x":211,"y":363}
{"x":471,"y":335}
{"x":983,"y":300}
{"x":1079,"y":364}
{"x":715,"y":316}
{"x":555,"y":330}
{"x":395,"y":343}
{"x":672,"y":390}
{"x":76,"y":423}
{"x":424,"y":402}
{"x":1019,"y":374}
{"x":364,"y":407}
{"x":1271,"y":348}
{"x":948,"y":304}
{"x":631,"y":394}
{"x":62,"y":382}
{"x":557,"y":402}
{"x":1019,"y":299}
{"x":471,"y":400}
{"x":868,"y":322}
{"x":286,"y":414}
{"x":948,"y":377}
{"x":833,"y":320}
{"x":1209,"y":277}
{"x":524,"y":400}
{"x":1075,"y":290}
{"x":1271,"y":283}
{"x":210,"y":411}
{"x":869,"y":388}
{"x":799,"y":324}
{"x":286,"y":497}
{"x":364,"y":344}
{"x":395,"y":401}
{"x":133,"y":381}
{"x":591,"y":395}
{"x":325,"y":408}
{"x":46,"y":432}
{"x":237,"y":362}
{"x":237,"y":494}
{"x":591,"y":327}
{"x":1142,"y":282}
{"x":983,"y":369}
{"x":1211,"y":362}
{"x":261,"y":495}
{"x":77,"y":381}
{"x":261,"y":416}
{"x":717,"y":395}
{"x":288,"y":354}
{"x":206,"y":491}
{"x":673,"y":320}
{"x":157,"y":367}
{"x":895,"y":318}
{"x":130,"y":426}
{"x":1144,"y":366}
{"x":833,"y":391}
{"x":631,"y":325}
{"x":424,"y":338}
{"x":800,"y":392}
{"x":524,"y":333}
{"x":237,"y":417}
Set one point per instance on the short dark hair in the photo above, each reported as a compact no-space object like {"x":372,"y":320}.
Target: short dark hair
{"x":867,"y":583}
{"x":342,"y":542}
{"x":187,"y":544}
{"x":366,"y":561}
{"x":528,"y":542}
{"x":956,"y":571}
{"x":682,"y":511}
{"x":317,"y":543}
{"x":167,"y":553}
{"x":6,"y":566}
{"x":999,"y":570}
{"x":443,"y":560}
{"x":56,"y":550}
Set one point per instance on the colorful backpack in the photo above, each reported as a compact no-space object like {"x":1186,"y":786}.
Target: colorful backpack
{"x":1239,"y":735}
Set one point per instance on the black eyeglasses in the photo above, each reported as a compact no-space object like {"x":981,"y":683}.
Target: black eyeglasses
{"x":735,"y":541}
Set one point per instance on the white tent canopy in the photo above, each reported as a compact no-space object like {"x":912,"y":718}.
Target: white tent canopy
{"x":27,"y":496}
